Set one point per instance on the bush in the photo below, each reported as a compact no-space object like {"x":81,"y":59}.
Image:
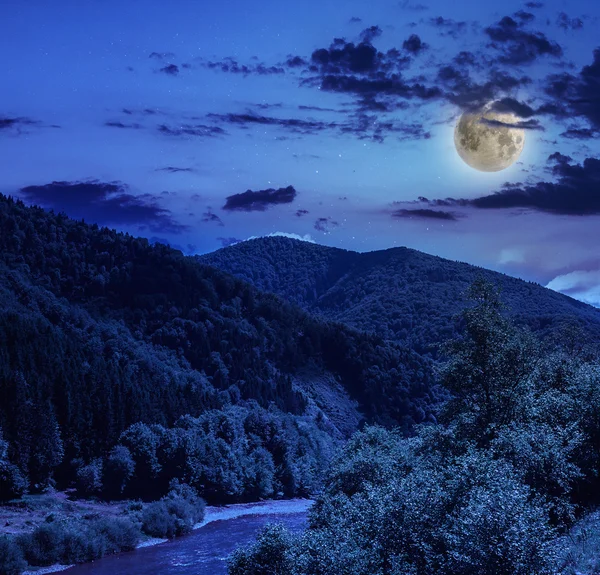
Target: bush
{"x":181,"y":492}
{"x":77,"y":547}
{"x":157,"y":521}
{"x":173,"y":515}
{"x":43,"y":546}
{"x":112,"y":535}
{"x":11,"y":557}
{"x":89,"y":478}
{"x":78,"y":542}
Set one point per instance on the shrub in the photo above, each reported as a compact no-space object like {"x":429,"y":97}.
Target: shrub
{"x":76,"y":547}
{"x":157,"y":521}
{"x":112,"y":535}
{"x":89,"y":478}
{"x":181,"y":492}
{"x":174,"y":514}
{"x":43,"y":546}
{"x":78,"y":542}
{"x":11,"y":557}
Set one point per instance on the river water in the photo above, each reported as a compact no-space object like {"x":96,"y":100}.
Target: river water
{"x":205,"y":550}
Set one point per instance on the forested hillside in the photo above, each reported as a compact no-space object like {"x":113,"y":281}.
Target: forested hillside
{"x":498,"y":486}
{"x":399,"y":293}
{"x":100,"y":331}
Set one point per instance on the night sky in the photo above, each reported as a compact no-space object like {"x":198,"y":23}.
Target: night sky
{"x":205,"y":123}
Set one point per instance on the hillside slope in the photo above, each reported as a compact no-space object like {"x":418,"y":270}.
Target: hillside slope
{"x":100,"y":330}
{"x":400,"y":293}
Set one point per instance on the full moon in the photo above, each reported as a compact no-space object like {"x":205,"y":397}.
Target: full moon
{"x":486,"y":142}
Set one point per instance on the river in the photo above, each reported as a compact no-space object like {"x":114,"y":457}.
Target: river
{"x":205,"y":550}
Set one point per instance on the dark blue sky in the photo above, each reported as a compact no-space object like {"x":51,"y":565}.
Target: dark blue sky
{"x":202,"y":123}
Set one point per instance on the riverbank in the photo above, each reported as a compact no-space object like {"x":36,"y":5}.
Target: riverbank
{"x":213,"y":514}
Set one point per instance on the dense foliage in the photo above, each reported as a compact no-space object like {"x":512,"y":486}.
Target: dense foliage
{"x":235,"y":454}
{"x":100,"y":330}
{"x":511,"y":465}
{"x":399,"y":293}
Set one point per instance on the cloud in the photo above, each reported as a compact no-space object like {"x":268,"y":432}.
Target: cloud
{"x":173,"y":169}
{"x":360,"y":124}
{"x":161,"y":55}
{"x":518,"y":46}
{"x":210,"y":216}
{"x":466,"y":59}
{"x":424,"y":213}
{"x":507,"y":105}
{"x":579,"y":94}
{"x":124,"y":126}
{"x":200,"y":130}
{"x":295,"y":62}
{"x":293,"y":124}
{"x":563,"y":21}
{"x":226,"y":242}
{"x":346,"y":57}
{"x":448,"y":26}
{"x":414,"y":44}
{"x":170,"y":70}
{"x":523,"y":124}
{"x":300,"y":213}
{"x":392,"y":85}
{"x":369,"y":34}
{"x":575,"y":191}
{"x":267,"y":106}
{"x":580,"y":133}
{"x":17,"y":126}
{"x":142,"y":112}
{"x":325,"y":225}
{"x":231,"y":66}
{"x":316,"y":108}
{"x":104,"y":203}
{"x":15,"y":123}
{"x":372,"y":128}
{"x":524,"y":16}
{"x":534,"y":5}
{"x":470,"y":95}
{"x":355,"y":20}
{"x":412,"y":6}
{"x":259,"y":200}
{"x":581,"y":284}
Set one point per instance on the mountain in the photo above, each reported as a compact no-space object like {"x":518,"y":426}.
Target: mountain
{"x":401,"y":294}
{"x":100,"y":331}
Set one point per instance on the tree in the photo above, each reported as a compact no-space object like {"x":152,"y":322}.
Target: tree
{"x":47,"y":449}
{"x":488,"y":369}
{"x":89,"y":478}
{"x":12,"y":482}
{"x":118,"y":469}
